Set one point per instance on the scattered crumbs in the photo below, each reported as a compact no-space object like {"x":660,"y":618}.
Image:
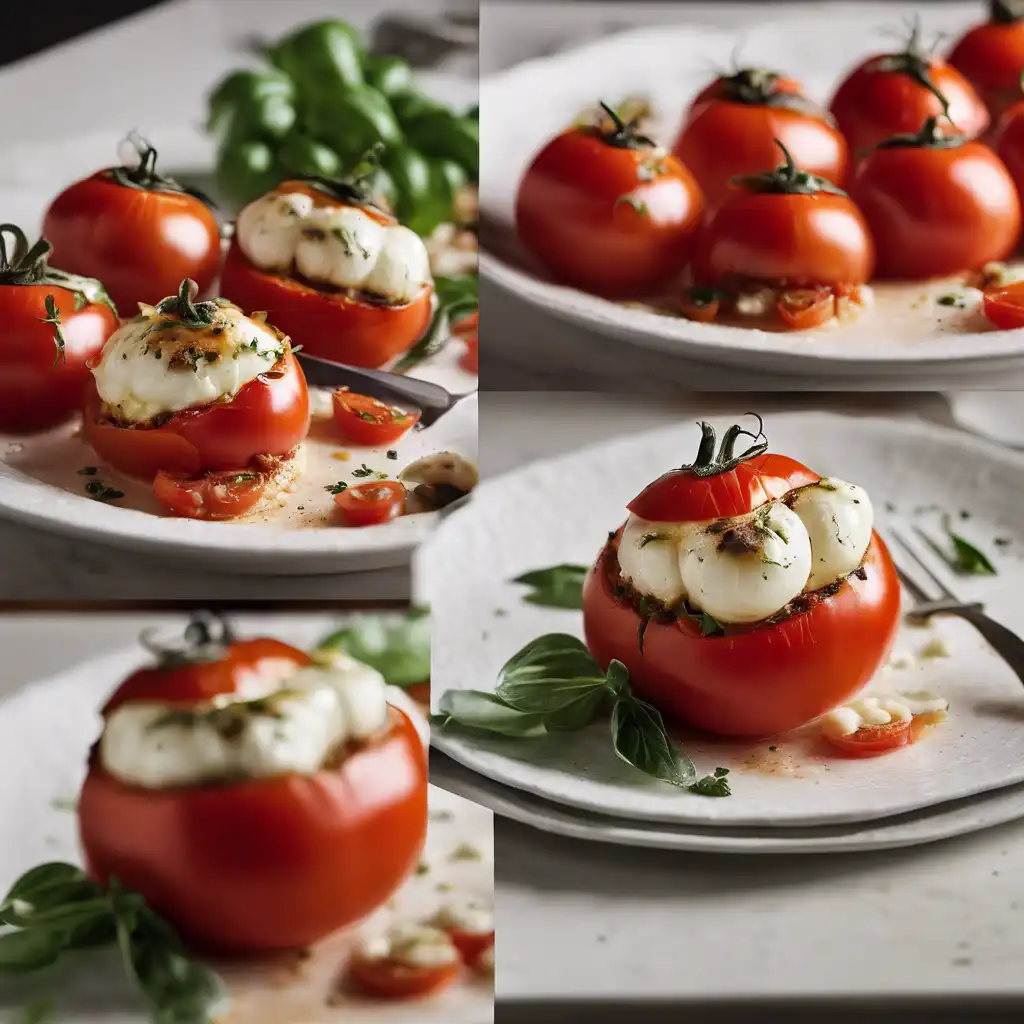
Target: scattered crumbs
{"x":962,"y":961}
{"x":423,"y":868}
{"x":901,"y":662}
{"x":500,"y":613}
{"x":773,"y":749}
{"x":935,"y":648}
{"x":88,"y":471}
{"x":64,"y":803}
{"x":300,"y":508}
{"x":391,"y":453}
{"x":442,"y":815}
{"x":964,"y":514}
{"x":890,"y":507}
{"x":602,"y":938}
{"x":1002,"y":542}
{"x":485,"y":636}
{"x":465,"y":851}
{"x":341,"y":456}
{"x":444,"y":887}
{"x":995,"y":874}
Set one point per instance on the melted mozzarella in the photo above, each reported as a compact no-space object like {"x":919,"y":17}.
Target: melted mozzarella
{"x":268,"y":229}
{"x":866,"y":711}
{"x":339,"y":245}
{"x":412,"y":946}
{"x":468,"y":915}
{"x":838,"y":518}
{"x":342,"y":246}
{"x":137,"y":377}
{"x":649,"y":559}
{"x":300,"y":721}
{"x":749,"y":574}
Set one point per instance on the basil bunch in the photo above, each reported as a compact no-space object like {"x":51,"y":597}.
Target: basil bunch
{"x":54,"y":909}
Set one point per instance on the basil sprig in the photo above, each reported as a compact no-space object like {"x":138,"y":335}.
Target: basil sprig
{"x":55,"y":909}
{"x":968,"y":559}
{"x":554,"y":685}
{"x":456,"y":298}
{"x":398,"y":648}
{"x":558,"y":586}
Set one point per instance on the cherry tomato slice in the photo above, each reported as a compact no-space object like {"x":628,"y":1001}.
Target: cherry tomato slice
{"x":389,"y":980}
{"x":872,"y":740}
{"x":367,"y":421}
{"x":223,"y":495}
{"x":471,"y":945}
{"x":371,"y":504}
{"x":468,"y":329}
{"x":805,"y":308}
{"x":703,"y":312}
{"x":1004,"y":307}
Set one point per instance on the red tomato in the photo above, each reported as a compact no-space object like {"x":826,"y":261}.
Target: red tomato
{"x":991,"y":56}
{"x":936,"y":206}
{"x":893,"y":93}
{"x":367,"y":421}
{"x":756,"y":680}
{"x":138,"y":232}
{"x":471,"y":945}
{"x":222,"y":495}
{"x":733,"y":125}
{"x":371,"y":504}
{"x":605,"y":211}
{"x":805,"y":308}
{"x":390,"y":980}
{"x":872,"y":740}
{"x":468,"y":329}
{"x":784,"y":227}
{"x":330,"y":324}
{"x":1009,"y":143}
{"x":420,"y":692}
{"x":268,"y":417}
{"x":265,"y":864}
{"x":1004,"y":307}
{"x":700,"y":304}
{"x":42,"y":383}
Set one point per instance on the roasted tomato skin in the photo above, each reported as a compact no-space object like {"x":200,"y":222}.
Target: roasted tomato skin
{"x":572,"y":214}
{"x":266,"y":864}
{"x":991,"y":57}
{"x":268,"y":416}
{"x":139,"y":242}
{"x":328,"y":324}
{"x":872,"y":105}
{"x":937,"y":211}
{"x":801,"y":240}
{"x":758,"y":680}
{"x":35,"y":392}
{"x":721,"y":139}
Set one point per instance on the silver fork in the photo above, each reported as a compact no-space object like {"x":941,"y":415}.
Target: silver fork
{"x":933,"y":597}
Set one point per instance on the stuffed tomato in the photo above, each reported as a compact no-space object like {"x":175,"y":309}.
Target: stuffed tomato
{"x":257,"y":800}
{"x":206,"y":402}
{"x":746,"y":595}
{"x":339,"y":274}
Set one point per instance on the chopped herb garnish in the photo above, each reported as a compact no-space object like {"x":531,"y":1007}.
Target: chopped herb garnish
{"x":968,"y":559}
{"x":368,"y":416}
{"x":337,"y":488}
{"x":101,"y":492}
{"x":713,"y":785}
{"x":88,"y":471}
{"x":363,"y":470}
{"x":950,"y":300}
{"x":632,"y":200}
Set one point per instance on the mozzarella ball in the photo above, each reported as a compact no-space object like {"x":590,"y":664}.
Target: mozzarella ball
{"x":150,"y":367}
{"x":838,"y":518}
{"x":749,"y":570}
{"x":268,"y":229}
{"x":649,"y":559}
{"x":361,"y":692}
{"x":403,"y":267}
{"x":339,"y":245}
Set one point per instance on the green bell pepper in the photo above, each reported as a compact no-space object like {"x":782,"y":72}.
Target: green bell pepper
{"x":247,"y":170}
{"x":257,"y":103}
{"x":302,"y":154}
{"x":445,"y":135}
{"x":390,"y":75}
{"x":352,"y":123}
{"x":409,"y":103}
{"x":324,"y":58}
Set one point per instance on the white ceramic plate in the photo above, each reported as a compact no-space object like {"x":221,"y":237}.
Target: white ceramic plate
{"x":560,"y":510}
{"x":959,"y":818}
{"x":46,"y":730}
{"x":528,"y":104}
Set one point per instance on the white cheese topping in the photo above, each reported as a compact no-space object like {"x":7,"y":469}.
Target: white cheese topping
{"x":466,"y":915}
{"x":881,"y":710}
{"x":838,"y":518}
{"x":412,"y":946}
{"x":147,"y":370}
{"x":485,"y":961}
{"x":293,"y":726}
{"x":339,"y":245}
{"x":649,"y":558}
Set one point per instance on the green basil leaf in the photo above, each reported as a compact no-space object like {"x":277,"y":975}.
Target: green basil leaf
{"x":23,"y":914}
{"x":450,"y":290}
{"x":398,"y":648}
{"x":550,"y":673}
{"x":579,"y":713}
{"x":640,"y":739}
{"x":617,"y":677}
{"x":29,"y":950}
{"x":558,"y":586}
{"x":44,"y":875}
{"x":713,"y":785}
{"x":968,"y":559}
{"x":476,"y":709}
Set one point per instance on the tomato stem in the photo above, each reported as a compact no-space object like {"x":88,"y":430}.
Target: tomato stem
{"x":913,"y":62}
{"x":623,"y":134}
{"x":787,"y":179}
{"x":928,"y":137}
{"x":206,"y":638}
{"x":190,"y":313}
{"x":707,"y":463}
{"x":144,"y":176}
{"x":354,"y":186}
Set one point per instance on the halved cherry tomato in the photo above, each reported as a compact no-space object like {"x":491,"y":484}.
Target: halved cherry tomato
{"x":783,"y":228}
{"x":471,"y":945}
{"x":368,"y":421}
{"x":331,"y":324}
{"x":390,"y":980}
{"x":468,"y":329}
{"x":221,"y":495}
{"x":805,"y":308}
{"x":1004,"y":307}
{"x":991,"y":56}
{"x":607,"y":211}
{"x":755,"y":680}
{"x":891,"y":94}
{"x":872,"y":740}
{"x":268,"y":417}
{"x":42,"y":383}
{"x":732,"y":126}
{"x":371,"y":504}
{"x":700,"y":304}
{"x":936,"y":205}
{"x":137,"y":231}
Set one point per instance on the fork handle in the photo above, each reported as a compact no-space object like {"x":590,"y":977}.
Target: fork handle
{"x":1006,"y":643}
